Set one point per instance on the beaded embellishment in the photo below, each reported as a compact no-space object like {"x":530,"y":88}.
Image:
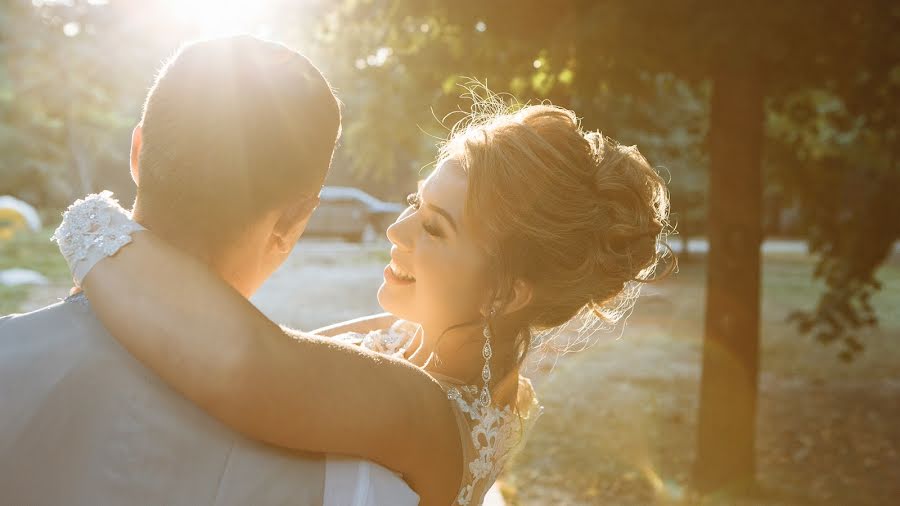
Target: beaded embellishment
{"x":93,"y":228}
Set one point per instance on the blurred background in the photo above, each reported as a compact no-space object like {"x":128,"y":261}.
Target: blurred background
{"x":766,"y":371}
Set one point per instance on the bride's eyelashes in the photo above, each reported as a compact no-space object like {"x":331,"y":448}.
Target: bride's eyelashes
{"x":415,"y":201}
{"x":432,"y":231}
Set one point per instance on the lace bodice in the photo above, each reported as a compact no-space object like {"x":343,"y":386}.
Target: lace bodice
{"x":488,"y":433}
{"x":97,"y":226}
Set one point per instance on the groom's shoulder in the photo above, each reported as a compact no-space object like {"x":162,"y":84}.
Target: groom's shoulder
{"x":67,"y":317}
{"x":62,"y":305}
{"x":15,"y":320}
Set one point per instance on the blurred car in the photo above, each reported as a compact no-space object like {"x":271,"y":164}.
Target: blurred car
{"x":351,"y":214}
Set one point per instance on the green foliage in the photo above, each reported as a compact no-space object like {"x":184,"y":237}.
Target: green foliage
{"x":836,"y":160}
{"x":828,"y":155}
{"x":637,"y":70}
{"x":62,"y":98}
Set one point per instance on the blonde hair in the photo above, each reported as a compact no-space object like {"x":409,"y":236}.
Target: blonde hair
{"x":576,"y":215}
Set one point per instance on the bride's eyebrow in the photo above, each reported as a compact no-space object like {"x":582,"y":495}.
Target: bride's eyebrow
{"x":439,"y":210}
{"x":443,"y":213}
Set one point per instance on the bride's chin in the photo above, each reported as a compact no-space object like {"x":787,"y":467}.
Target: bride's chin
{"x":391,"y":302}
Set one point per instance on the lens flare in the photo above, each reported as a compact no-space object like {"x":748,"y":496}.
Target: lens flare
{"x":210,"y":18}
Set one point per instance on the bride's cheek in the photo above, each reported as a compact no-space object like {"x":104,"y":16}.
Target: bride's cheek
{"x":431,"y":276}
{"x":457,"y":289}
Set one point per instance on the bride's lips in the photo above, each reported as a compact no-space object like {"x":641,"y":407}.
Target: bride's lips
{"x":390,"y":277}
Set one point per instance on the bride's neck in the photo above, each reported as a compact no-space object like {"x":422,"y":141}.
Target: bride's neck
{"x":463,"y":361}
{"x":418,"y":353}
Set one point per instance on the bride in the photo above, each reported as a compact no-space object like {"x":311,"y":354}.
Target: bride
{"x":527,"y":222}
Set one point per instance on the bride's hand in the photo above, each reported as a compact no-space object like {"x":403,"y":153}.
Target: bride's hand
{"x":361,"y":325}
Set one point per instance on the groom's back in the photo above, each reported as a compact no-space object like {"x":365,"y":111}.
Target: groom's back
{"x":82,"y":423}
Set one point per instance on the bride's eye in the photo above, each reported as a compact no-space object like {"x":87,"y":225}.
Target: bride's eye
{"x":431,"y":230}
{"x":415,"y":202}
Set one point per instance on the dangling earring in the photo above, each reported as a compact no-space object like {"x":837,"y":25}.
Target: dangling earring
{"x":486,"y":352}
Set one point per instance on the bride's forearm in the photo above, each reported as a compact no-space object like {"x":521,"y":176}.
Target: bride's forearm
{"x":200,"y":335}
{"x":156,"y":299}
{"x":302,"y":392}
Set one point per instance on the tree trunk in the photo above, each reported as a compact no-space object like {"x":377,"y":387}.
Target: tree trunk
{"x":728,"y":388}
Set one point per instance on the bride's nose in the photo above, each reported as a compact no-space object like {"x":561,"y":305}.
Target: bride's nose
{"x":400,"y":233}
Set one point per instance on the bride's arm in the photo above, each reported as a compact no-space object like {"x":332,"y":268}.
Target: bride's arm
{"x":362,"y":325}
{"x":302,"y":392}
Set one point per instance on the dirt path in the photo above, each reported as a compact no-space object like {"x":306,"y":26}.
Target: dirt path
{"x":620,"y":420}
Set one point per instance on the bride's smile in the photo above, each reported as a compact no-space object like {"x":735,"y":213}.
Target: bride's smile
{"x":393,"y":273}
{"x":436,"y":276}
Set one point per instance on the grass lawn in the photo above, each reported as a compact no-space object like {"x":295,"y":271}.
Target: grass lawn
{"x":620,"y":420}
{"x":30,"y":251}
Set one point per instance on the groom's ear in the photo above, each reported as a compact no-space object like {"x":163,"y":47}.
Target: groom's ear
{"x":292,"y":223}
{"x":136,"y":140}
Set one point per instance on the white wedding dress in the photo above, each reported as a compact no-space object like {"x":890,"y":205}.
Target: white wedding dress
{"x":488,"y":433}
{"x":97,"y":227}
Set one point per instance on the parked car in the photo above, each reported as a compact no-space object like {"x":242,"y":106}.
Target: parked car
{"x":351,"y":214}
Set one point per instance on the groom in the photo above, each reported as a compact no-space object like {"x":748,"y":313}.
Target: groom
{"x":235,"y":141}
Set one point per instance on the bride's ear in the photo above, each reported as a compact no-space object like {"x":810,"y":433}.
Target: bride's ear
{"x":519,"y":298}
{"x":136,"y":141}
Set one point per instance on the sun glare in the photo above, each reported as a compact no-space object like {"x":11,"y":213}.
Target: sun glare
{"x":218,"y":17}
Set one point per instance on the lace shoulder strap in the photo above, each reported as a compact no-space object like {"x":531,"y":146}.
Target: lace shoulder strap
{"x":92,"y":229}
{"x":489,"y":434}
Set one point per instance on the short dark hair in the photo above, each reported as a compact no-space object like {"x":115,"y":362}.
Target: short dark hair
{"x":233,"y":127}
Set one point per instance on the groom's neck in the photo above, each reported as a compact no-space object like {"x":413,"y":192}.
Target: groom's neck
{"x":192,"y":244}
{"x":173,"y":233}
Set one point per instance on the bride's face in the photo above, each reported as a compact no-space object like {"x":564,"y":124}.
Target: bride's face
{"x":436,"y":275}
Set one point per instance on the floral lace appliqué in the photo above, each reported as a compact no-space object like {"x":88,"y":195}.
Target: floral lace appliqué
{"x":93,"y":228}
{"x":494,"y":432}
{"x":391,"y":341}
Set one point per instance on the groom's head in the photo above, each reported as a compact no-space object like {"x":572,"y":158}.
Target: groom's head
{"x":234,"y":145}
